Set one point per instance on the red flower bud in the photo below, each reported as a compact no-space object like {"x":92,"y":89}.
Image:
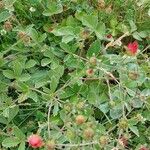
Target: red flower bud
{"x":123,"y":141}
{"x":133,"y":47}
{"x":90,"y":72}
{"x":109,"y":36}
{"x":35,"y":141}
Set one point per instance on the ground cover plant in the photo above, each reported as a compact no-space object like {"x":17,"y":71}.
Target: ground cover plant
{"x":74,"y":74}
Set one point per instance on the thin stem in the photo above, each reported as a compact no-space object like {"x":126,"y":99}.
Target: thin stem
{"x":90,"y":79}
{"x":145,"y":48}
{"x":108,"y":118}
{"x":78,"y":145}
{"x":109,"y":74}
{"x":113,"y":43}
{"x":41,"y":92}
{"x":48,"y":119}
{"x":109,"y":92}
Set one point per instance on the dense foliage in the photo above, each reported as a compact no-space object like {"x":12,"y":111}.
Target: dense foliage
{"x":74,"y":74}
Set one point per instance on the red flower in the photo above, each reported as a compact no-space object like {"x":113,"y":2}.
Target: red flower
{"x":143,"y":148}
{"x":133,"y":47}
{"x":35,"y":141}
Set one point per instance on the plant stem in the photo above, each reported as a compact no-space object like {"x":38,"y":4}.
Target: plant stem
{"x":78,"y":145}
{"x":48,"y":119}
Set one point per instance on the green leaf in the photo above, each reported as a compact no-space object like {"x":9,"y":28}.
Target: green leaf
{"x":100,"y":30}
{"x":37,"y":37}
{"x":9,"y":74}
{"x":71,"y":21}
{"x":56,"y":74}
{"x":136,"y":35}
{"x":38,"y":75}
{"x":4,"y":16}
{"x":22,"y":87}
{"x":3,"y":120}
{"x":34,"y":35}
{"x":63,"y":31}
{"x":146,"y":92}
{"x":48,"y":53}
{"x":113,"y":22}
{"x":10,"y":142}
{"x":133,"y":26}
{"x":42,"y":37}
{"x":68,"y":38}
{"x":94,"y":48}
{"x":104,"y":107}
{"x":67,"y":32}
{"x":17,"y":67}
{"x":115,"y":113}
{"x":33,"y":96}
{"x":54,"y":83}
{"x":31,"y":63}
{"x":101,"y":129}
{"x":131,"y":92}
{"x":72,"y":62}
{"x":92,"y":97}
{"x":132,"y":122}
{"x":56,"y":109}
{"x":59,"y":71}
{"x":45,"y":62}
{"x":53,"y":8}
{"x":66,"y":93}
{"x":41,"y":82}
{"x":22,"y":146}
{"x":143,"y":34}
{"x":134,"y":129}
{"x":13,"y":111}
{"x":24,"y":77}
{"x":146,"y":115}
{"x":137,"y":103}
{"x":90,"y":21}
{"x":18,"y":133}
{"x":68,"y":48}
{"x":5,"y":113}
